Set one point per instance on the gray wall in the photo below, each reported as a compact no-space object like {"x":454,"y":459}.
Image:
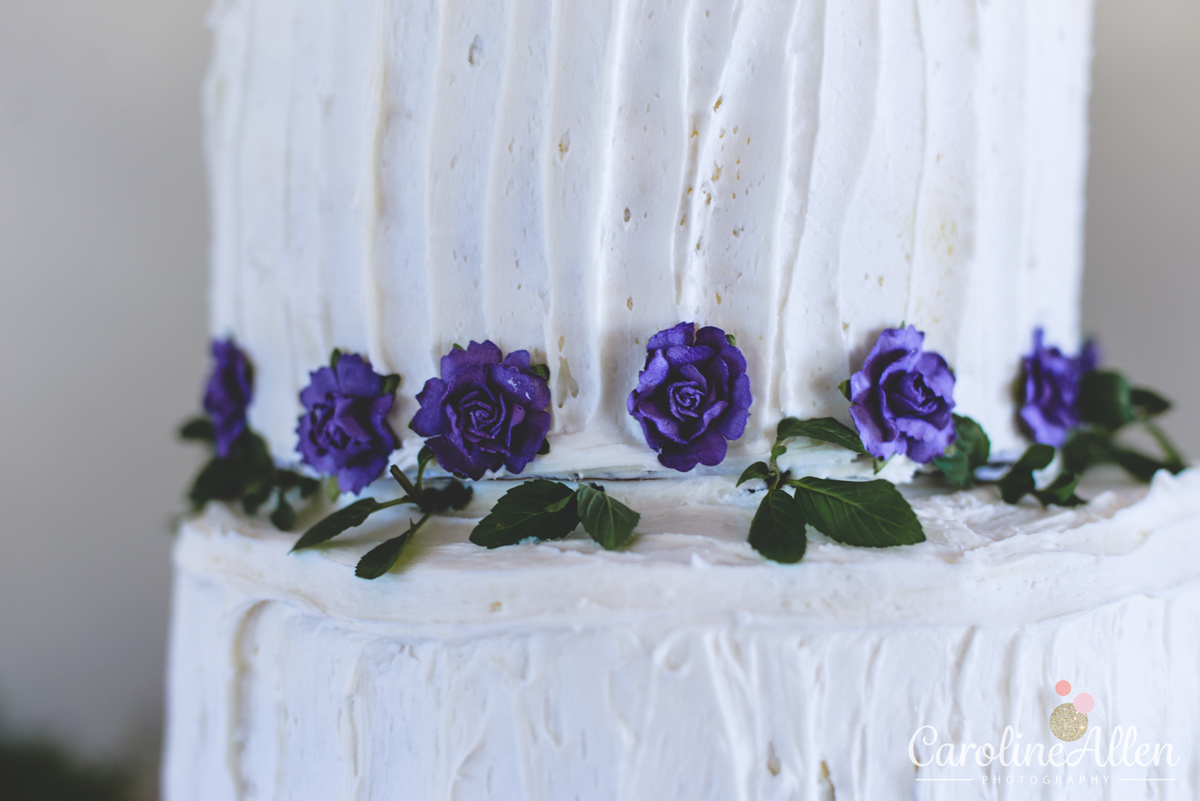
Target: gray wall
{"x":102,"y":248}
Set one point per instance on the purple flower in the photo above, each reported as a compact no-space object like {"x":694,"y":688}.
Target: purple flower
{"x":693,"y":396}
{"x":1050,"y":408}
{"x":485,"y":411}
{"x":343,"y":430}
{"x":902,"y":398}
{"x":228,"y":393}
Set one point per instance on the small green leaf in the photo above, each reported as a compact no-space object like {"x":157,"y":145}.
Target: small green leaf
{"x":452,"y":496}
{"x":217,"y":481}
{"x":971,"y":449}
{"x":457,"y":346}
{"x":390,"y":384}
{"x":757,"y":470}
{"x":1148,"y":403}
{"x":844,"y":388}
{"x":538,"y":508}
{"x":541,"y":371}
{"x":544,"y":448}
{"x":865,"y":513}
{"x":332,"y":490}
{"x":345,"y":518}
{"x":1138,"y":465}
{"x":825,"y":429}
{"x":284,"y":516}
{"x":1061,"y":492}
{"x":335,"y":357}
{"x":308,"y":486}
{"x":383,"y":557}
{"x":255,"y":497}
{"x":1018,"y":481}
{"x":1084,"y":449}
{"x":777,"y":530}
{"x":731,"y":339}
{"x":198,"y":429}
{"x":606,"y":519}
{"x":777,"y":450}
{"x":1105,"y":399}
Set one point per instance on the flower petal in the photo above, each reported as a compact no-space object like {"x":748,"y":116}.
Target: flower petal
{"x":682,"y":335}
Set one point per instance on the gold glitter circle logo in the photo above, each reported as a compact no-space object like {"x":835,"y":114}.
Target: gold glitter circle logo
{"x":1068,"y":724}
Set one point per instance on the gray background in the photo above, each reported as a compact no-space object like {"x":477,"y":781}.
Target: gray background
{"x":103,"y":231}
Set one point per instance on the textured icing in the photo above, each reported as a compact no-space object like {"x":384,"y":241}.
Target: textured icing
{"x":687,"y":666}
{"x":393,"y":176}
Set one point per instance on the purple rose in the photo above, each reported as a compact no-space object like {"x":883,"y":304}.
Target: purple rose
{"x":902,"y":398}
{"x":344,"y":431}
{"x":485,"y":411}
{"x":228,"y":393}
{"x":1050,"y":408}
{"x":693,"y":396}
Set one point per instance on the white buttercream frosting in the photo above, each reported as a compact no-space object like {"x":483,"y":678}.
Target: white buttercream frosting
{"x":685,"y":666}
{"x":392,"y":177}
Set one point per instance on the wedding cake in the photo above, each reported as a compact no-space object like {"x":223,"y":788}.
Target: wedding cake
{"x":737,"y":197}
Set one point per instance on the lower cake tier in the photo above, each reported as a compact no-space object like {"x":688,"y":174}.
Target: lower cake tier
{"x":687,"y":667}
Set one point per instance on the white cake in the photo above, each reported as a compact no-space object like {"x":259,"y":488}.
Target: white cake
{"x":688,"y":667}
{"x":392,"y":178}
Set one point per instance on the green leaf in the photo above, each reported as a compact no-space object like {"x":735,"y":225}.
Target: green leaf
{"x":1148,"y":403}
{"x":1138,"y":465}
{"x":457,"y":346}
{"x":731,"y":339}
{"x":1084,"y":449}
{"x":539,"y":508}
{"x":452,"y":496}
{"x":844,"y":388}
{"x":383,"y":557}
{"x":345,"y":518}
{"x":284,"y":516}
{"x":542,"y":371}
{"x":777,"y":530}
{"x":390,"y":384}
{"x":825,"y":429}
{"x":778,"y":450}
{"x":217,"y":481}
{"x":332,"y":490}
{"x":1061,"y":492}
{"x":246,"y":474}
{"x":335,"y":357}
{"x":1105,"y":399}
{"x":1018,"y":481}
{"x":757,"y":470}
{"x":971,"y":449}
{"x":606,"y":519}
{"x":198,"y":429}
{"x":866,"y":513}
{"x":544,"y":448}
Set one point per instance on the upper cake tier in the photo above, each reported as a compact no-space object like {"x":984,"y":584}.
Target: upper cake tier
{"x":393,"y":177}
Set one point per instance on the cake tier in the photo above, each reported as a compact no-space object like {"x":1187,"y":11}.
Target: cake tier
{"x":393,"y":177}
{"x":687,"y":666}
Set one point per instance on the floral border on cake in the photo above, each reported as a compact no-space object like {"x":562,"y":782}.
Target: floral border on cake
{"x":488,"y":411}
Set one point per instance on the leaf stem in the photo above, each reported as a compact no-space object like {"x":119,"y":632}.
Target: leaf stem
{"x":413,"y":492}
{"x":1174,"y":457}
